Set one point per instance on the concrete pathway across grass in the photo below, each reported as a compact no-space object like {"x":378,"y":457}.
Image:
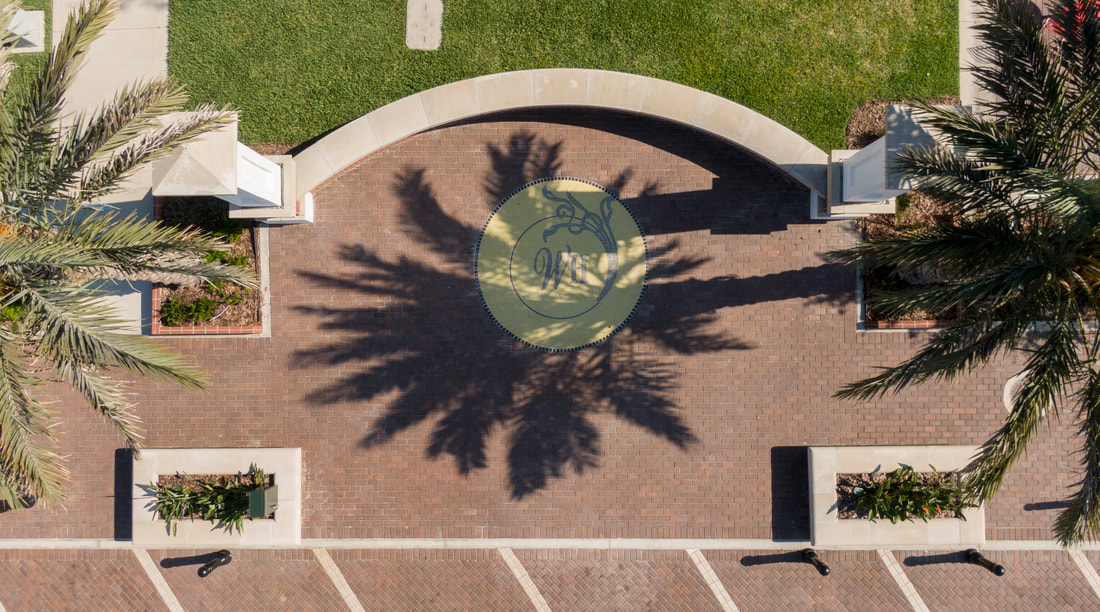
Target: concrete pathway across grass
{"x":424,"y":24}
{"x":134,"y":47}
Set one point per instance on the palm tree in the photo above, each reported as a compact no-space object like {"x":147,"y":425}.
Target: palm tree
{"x":1023,"y":259}
{"x":57,"y":252}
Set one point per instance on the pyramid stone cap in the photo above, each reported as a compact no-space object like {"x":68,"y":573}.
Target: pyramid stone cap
{"x":206,"y":166}
{"x":904,"y":131}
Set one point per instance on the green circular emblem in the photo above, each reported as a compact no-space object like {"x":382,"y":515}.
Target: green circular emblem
{"x":561,"y":264}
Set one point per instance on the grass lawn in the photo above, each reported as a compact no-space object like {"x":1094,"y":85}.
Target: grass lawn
{"x":28,"y":64}
{"x":297,"y":69}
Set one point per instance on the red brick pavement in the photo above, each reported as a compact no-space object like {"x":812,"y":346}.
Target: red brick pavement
{"x":1033,"y":580}
{"x":417,"y":416}
{"x":431,"y":580}
{"x":627,"y":580}
{"x":75,"y":580}
{"x":780,"y":580}
{"x":254,"y":580}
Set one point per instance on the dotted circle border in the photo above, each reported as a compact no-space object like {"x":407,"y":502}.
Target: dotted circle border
{"x":645,"y":248}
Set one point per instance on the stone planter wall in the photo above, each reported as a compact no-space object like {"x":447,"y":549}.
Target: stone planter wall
{"x":150,"y":531}
{"x":828,"y":530}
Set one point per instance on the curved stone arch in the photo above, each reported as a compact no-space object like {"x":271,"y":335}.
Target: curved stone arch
{"x":601,"y":89}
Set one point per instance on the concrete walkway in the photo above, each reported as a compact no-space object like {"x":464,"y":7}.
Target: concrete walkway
{"x":132,"y":49}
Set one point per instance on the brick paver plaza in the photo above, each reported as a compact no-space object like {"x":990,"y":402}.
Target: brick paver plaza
{"x":419,"y":418}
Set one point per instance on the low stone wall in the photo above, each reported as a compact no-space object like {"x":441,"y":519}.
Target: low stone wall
{"x":552,"y":87}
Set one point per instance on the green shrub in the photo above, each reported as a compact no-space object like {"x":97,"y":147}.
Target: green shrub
{"x":222,"y":257}
{"x":902,"y":496}
{"x":226,"y":503}
{"x":230,"y":299}
{"x":174,"y":313}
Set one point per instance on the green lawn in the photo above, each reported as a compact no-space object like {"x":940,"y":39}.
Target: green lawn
{"x":297,"y":69}
{"x":28,"y":63}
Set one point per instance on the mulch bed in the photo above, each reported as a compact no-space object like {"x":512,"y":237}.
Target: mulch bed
{"x":272,"y":148}
{"x":846,"y":498}
{"x":206,"y":213}
{"x":190,"y":482}
{"x":866,"y":124}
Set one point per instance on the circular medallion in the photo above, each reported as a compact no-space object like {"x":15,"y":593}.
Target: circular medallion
{"x":561,"y":264}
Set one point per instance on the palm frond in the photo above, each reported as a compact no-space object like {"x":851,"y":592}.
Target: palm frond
{"x":71,"y":324}
{"x":1081,"y":520}
{"x":38,"y":113}
{"x":131,"y":245}
{"x":26,"y":466}
{"x":106,"y":396}
{"x":1049,"y":368}
{"x":968,"y":343}
{"x":105,"y":177}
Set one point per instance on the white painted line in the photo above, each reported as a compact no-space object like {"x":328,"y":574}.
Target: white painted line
{"x":338,"y":581}
{"x":2,"y":608}
{"x":524,"y":579}
{"x":712,"y":580}
{"x":906,"y":587}
{"x":1086,"y":568}
{"x":158,"y":580}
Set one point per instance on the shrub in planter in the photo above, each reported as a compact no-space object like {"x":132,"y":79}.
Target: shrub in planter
{"x":221,"y":499}
{"x":905,"y":495}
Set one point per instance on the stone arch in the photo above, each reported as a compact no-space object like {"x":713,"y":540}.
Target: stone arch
{"x":601,"y":89}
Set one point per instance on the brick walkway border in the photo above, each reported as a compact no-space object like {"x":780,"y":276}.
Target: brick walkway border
{"x":552,"y":87}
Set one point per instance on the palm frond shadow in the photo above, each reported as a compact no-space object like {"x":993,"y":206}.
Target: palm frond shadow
{"x":422,"y":335}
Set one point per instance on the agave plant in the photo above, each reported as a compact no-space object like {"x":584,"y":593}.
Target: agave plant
{"x":58,"y":250}
{"x":1021,"y":174}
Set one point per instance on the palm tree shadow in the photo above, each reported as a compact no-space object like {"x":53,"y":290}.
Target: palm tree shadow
{"x":422,"y":334}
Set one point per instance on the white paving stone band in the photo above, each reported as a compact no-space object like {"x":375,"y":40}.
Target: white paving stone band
{"x":712,"y":580}
{"x":524,"y":579}
{"x":530,"y":543}
{"x":904,"y":584}
{"x":337,"y":578}
{"x":601,"y":89}
{"x":1087,"y":570}
{"x":158,"y":580}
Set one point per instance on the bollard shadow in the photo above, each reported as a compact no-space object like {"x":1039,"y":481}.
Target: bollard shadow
{"x":794,"y":556}
{"x":1054,"y":505}
{"x":790,"y":493}
{"x":190,"y":560}
{"x":937,"y":559}
{"x":123,"y":494}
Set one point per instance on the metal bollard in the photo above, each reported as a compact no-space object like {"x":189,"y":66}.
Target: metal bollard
{"x":222,"y":557}
{"x":977,"y":558}
{"x":810,"y":556}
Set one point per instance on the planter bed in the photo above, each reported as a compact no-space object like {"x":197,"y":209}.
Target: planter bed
{"x":284,"y":464}
{"x":243,"y":318}
{"x":827,"y":529}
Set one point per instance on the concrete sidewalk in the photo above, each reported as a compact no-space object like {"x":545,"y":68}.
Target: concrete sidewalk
{"x":133,"y":49}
